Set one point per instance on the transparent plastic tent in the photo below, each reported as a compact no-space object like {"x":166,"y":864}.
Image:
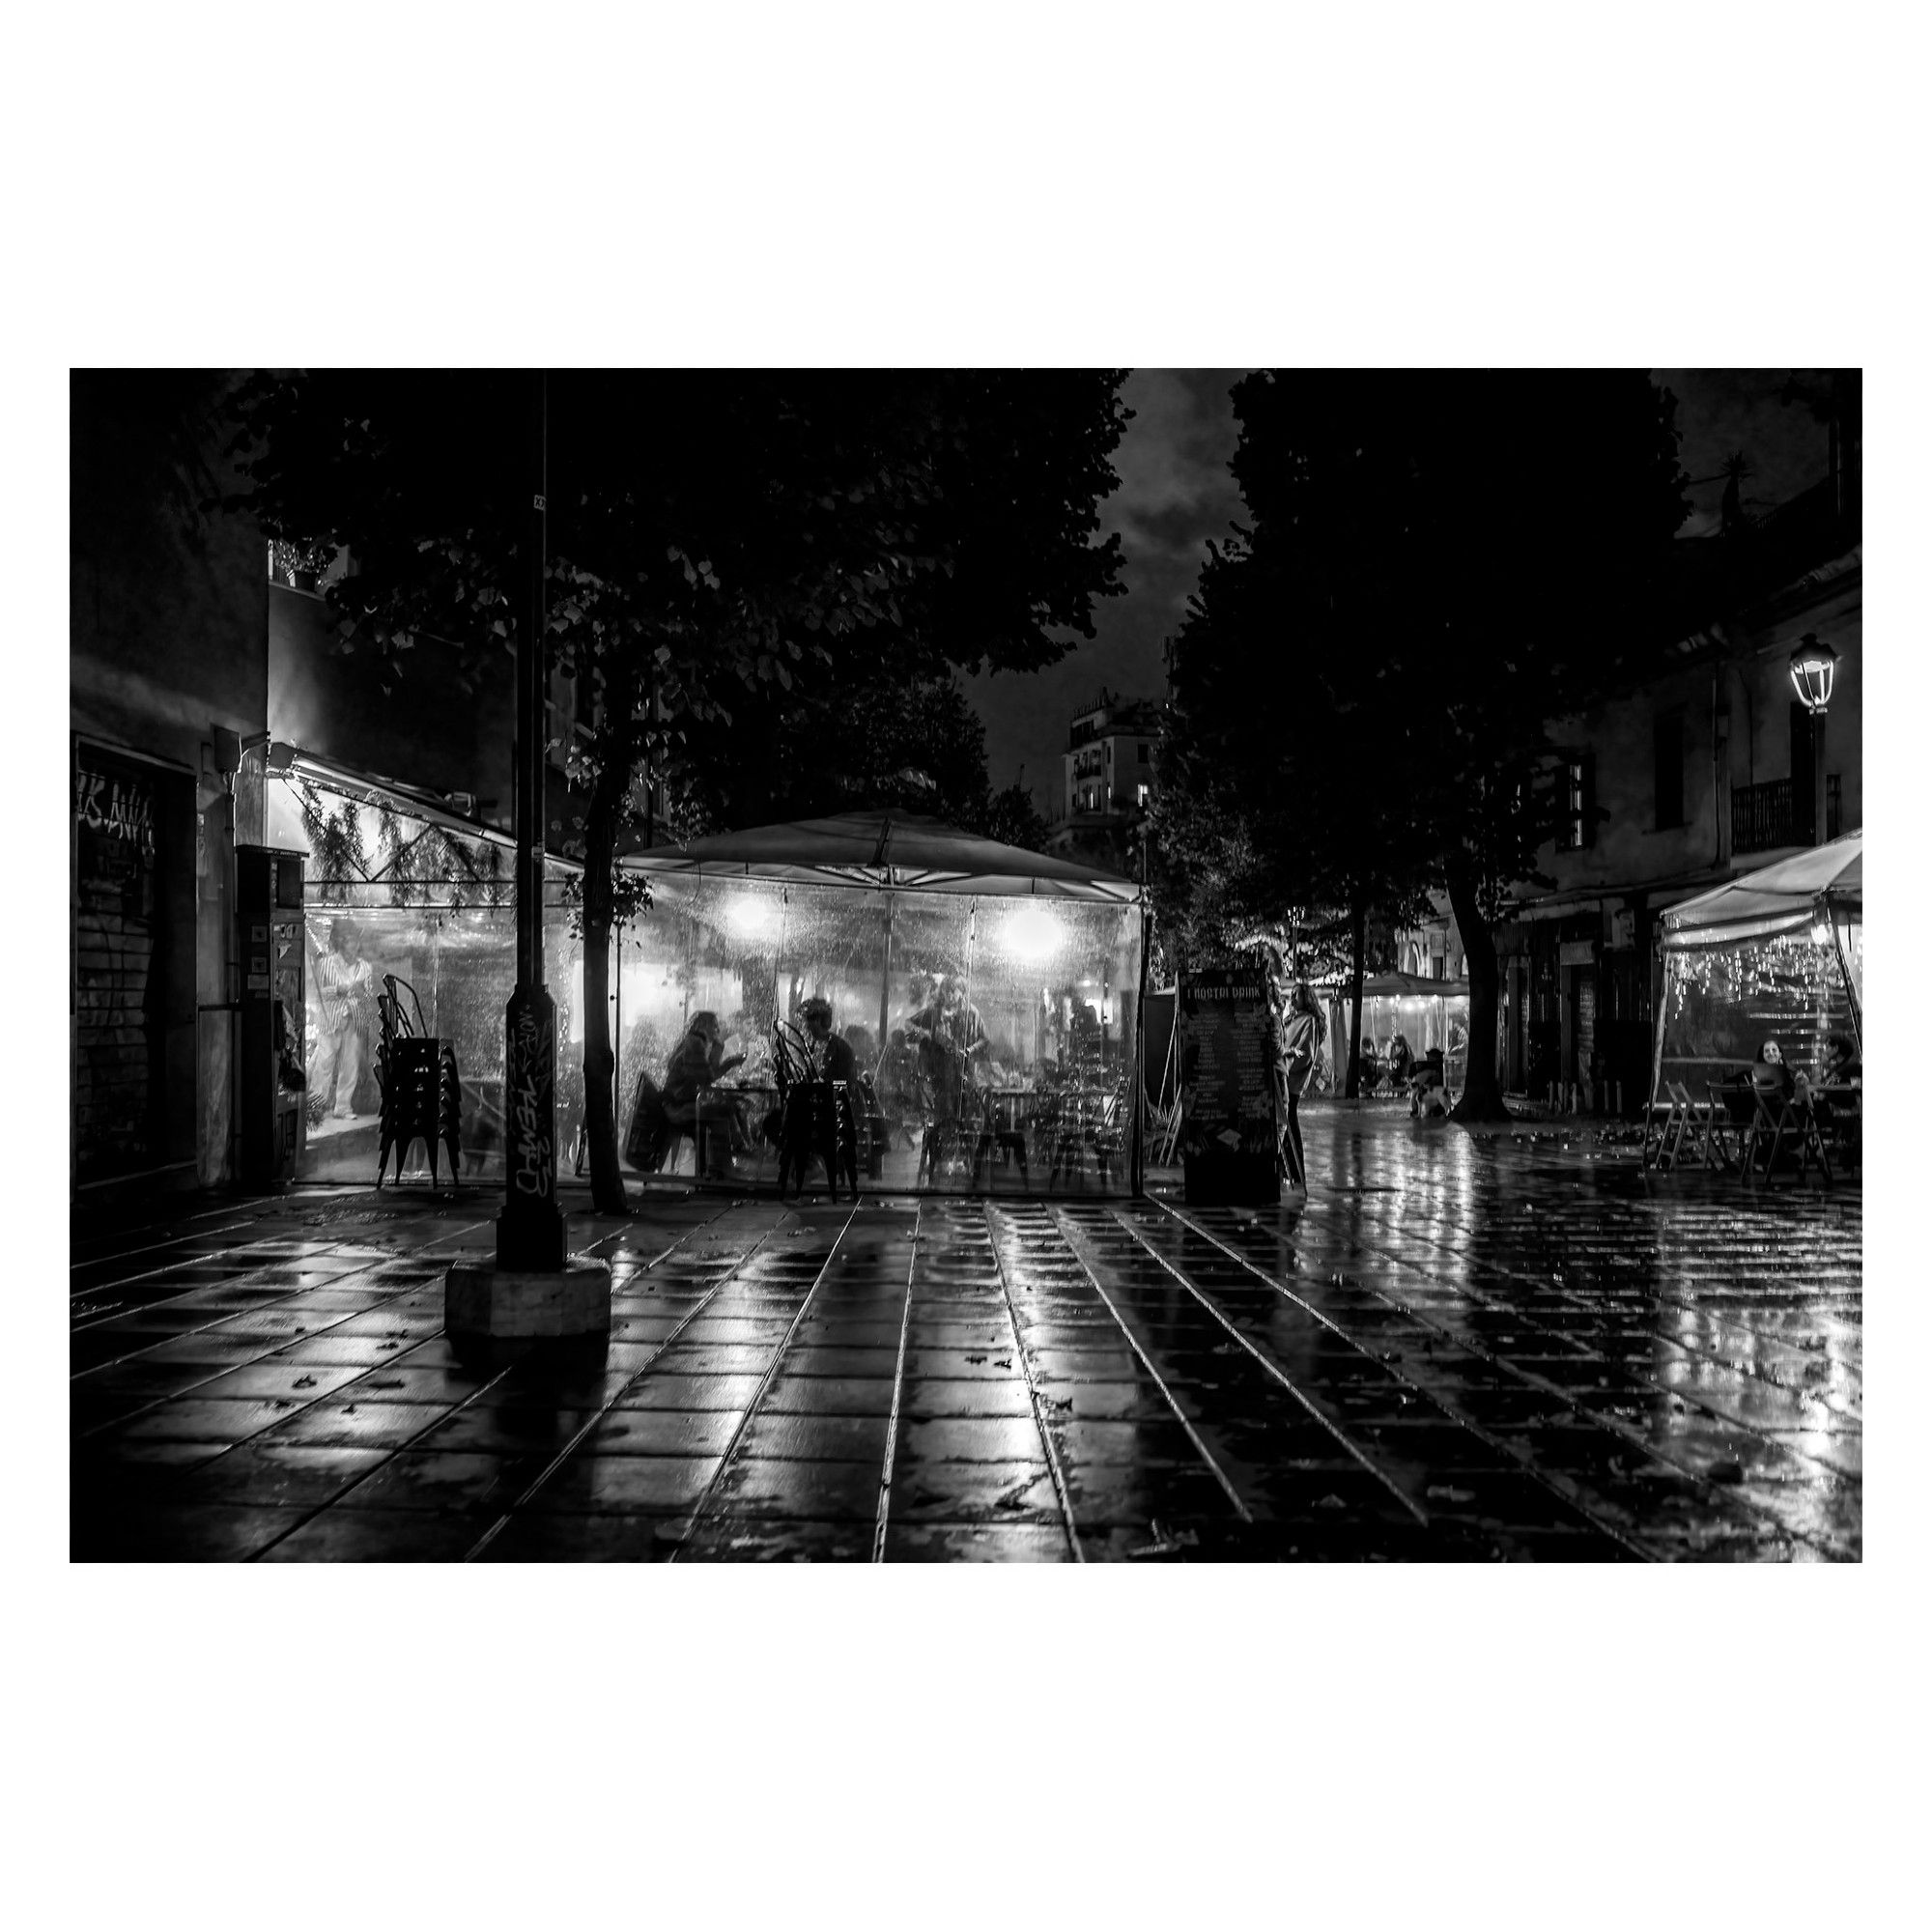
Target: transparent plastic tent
{"x":1775,"y":955}
{"x":1427,"y":1014}
{"x":991,"y":994}
{"x":394,"y":887}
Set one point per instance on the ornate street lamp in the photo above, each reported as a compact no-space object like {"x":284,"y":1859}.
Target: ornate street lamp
{"x":1813,"y":667}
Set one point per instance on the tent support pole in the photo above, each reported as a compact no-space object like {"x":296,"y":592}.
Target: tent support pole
{"x":886,"y":978}
{"x":1140,"y":1060}
{"x":1845,"y":974}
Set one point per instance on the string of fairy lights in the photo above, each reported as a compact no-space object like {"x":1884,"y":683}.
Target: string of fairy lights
{"x":1725,"y":1001}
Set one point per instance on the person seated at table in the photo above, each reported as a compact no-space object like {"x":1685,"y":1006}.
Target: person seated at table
{"x":1840,"y":1114}
{"x":1770,"y":1073}
{"x":1400,"y":1061}
{"x":1429,"y":1089}
{"x":698,"y":1060}
{"x":1371,"y":1068}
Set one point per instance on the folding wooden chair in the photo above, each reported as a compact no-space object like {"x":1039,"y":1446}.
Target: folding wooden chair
{"x":1660,"y":1132}
{"x":1696,"y":1120}
{"x":1781,"y":1123}
{"x":1728,"y":1132}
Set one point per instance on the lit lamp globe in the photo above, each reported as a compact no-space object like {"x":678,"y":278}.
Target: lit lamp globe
{"x":1813,"y":666}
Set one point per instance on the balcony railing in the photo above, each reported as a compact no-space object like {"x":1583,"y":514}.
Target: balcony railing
{"x":1764,"y":816}
{"x":1761,"y":817}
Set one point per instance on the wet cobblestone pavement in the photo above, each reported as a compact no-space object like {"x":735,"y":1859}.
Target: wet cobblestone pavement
{"x":1464,"y":1347}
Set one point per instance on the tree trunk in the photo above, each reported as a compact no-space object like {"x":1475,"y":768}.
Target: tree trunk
{"x":1358,"y":946}
{"x":1482,"y":1092}
{"x":600,"y":1114}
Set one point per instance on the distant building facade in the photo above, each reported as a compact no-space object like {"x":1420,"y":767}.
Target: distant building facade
{"x":1704,"y":773}
{"x":1107,"y":782}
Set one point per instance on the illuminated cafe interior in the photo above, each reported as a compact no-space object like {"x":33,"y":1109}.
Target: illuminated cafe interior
{"x":991,"y":993}
{"x":1025,"y":970}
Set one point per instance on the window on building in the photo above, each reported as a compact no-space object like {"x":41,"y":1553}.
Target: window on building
{"x":1141,"y":796}
{"x":1146,"y":755}
{"x":1668,"y":776}
{"x":1576,"y":802}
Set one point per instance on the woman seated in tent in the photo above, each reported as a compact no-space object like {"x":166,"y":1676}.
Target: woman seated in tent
{"x":698,"y":1063}
{"x":1770,"y":1073}
{"x":1400,"y":1061}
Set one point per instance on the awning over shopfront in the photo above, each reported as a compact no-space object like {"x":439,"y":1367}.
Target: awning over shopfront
{"x":1777,"y":954}
{"x":886,"y":850}
{"x":1775,"y":900}
{"x":1407,"y":986}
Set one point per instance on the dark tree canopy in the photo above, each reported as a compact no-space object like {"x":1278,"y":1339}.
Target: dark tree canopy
{"x":750,"y":570}
{"x":1437,"y":564}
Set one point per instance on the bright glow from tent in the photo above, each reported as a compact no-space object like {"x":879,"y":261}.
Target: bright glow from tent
{"x":751,"y":915}
{"x":1033,"y":932}
{"x":1821,"y":933}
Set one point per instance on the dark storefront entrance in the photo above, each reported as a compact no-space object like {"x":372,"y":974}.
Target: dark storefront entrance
{"x":133,"y":966}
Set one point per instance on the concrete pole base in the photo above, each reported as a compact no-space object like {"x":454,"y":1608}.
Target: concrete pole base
{"x":482,"y":1302}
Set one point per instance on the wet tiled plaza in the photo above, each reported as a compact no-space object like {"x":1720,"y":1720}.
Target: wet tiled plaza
{"x":1463,"y":1348}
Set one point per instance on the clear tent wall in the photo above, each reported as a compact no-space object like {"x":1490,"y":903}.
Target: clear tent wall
{"x":395,"y":897}
{"x":1722,"y":1003}
{"x":1034,"y":1090}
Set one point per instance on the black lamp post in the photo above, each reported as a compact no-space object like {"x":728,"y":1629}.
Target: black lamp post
{"x":1813,"y":667}
{"x":536,"y":1290}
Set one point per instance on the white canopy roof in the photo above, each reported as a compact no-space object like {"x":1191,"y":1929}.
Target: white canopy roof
{"x":1775,"y":900}
{"x":881,"y":849}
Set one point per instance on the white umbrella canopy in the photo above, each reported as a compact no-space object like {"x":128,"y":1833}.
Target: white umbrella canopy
{"x":885,"y":849}
{"x":1774,"y":900}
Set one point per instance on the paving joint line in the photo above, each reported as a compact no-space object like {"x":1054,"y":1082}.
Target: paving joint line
{"x":1061,"y":1220}
{"x":428,"y":1429}
{"x":684,"y":1321}
{"x":1610,"y":1425}
{"x":899,"y":1382}
{"x":148,"y":1248}
{"x":248,"y":1362}
{"x":1499,"y":1446}
{"x":1032,"y":1391}
{"x":268,"y":1428}
{"x":1664,"y":1300}
{"x":1280,"y":1374}
{"x":758,"y":1394}
{"x":1579,"y":1297}
{"x":1692,"y":1401}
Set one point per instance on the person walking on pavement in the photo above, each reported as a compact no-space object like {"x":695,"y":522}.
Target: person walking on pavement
{"x":1299,"y":1050}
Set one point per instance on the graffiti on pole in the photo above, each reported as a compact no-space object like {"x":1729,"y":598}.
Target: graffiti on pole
{"x":530,"y":1121}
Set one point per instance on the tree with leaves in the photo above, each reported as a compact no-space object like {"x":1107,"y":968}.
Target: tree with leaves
{"x":1437,"y":564}
{"x":1278,"y":828}
{"x":713,"y":539}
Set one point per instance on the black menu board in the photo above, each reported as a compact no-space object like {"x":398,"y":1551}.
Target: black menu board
{"x":1228,"y":1124}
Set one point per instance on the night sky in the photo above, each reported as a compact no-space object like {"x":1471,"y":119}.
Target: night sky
{"x":1176,"y":492}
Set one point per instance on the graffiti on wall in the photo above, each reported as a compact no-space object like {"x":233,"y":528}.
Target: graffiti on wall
{"x":120,"y":808}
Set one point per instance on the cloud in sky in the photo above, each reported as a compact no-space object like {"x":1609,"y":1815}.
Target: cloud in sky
{"x":1174,"y":493}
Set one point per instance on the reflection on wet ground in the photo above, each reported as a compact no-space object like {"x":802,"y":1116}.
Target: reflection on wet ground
{"x":1463,"y":1348}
